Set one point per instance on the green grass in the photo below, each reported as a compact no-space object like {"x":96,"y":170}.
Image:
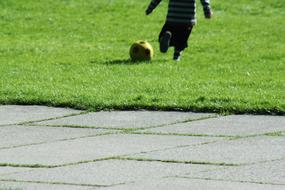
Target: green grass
{"x":75,"y":53}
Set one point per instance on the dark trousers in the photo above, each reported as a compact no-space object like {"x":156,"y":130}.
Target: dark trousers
{"x":180,"y":34}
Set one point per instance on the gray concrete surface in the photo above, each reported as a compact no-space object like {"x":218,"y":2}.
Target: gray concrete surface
{"x":13,"y":136}
{"x":42,"y":186}
{"x":127,"y":119}
{"x":92,"y":148}
{"x":267,"y":172}
{"x":239,"y":151}
{"x":234,"y":125}
{"x":193,"y":184}
{"x":108,"y":173}
{"x":158,"y":161}
{"x":10,"y":114}
{"x":12,"y":170}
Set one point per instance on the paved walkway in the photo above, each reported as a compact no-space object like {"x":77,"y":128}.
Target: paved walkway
{"x":43,"y":148}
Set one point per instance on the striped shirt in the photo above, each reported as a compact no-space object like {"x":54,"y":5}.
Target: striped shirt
{"x":181,"y":11}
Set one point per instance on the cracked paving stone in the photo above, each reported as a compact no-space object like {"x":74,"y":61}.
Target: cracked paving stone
{"x":228,"y":125}
{"x":23,"y":135}
{"x":90,"y":148}
{"x":40,"y":186}
{"x":111,"y":172}
{"x":239,"y":151}
{"x":127,"y":119}
{"x":11,"y":114}
{"x":193,"y":184}
{"x":269,"y":172}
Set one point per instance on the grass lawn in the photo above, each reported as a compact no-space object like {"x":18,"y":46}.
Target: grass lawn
{"x":75,"y":53}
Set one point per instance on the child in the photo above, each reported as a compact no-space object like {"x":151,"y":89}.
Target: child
{"x":180,"y":20}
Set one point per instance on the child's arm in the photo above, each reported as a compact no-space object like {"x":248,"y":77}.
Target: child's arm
{"x":207,"y":8}
{"x":153,"y":4}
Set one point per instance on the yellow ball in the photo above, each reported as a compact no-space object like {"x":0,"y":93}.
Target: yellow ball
{"x":141,"y":51}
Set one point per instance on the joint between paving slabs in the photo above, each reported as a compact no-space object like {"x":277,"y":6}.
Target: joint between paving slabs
{"x":169,"y":148}
{"x":111,"y":128}
{"x":179,"y":122}
{"x":270,"y":134}
{"x":59,"y":140}
{"x":180,"y":162}
{"x":83,"y":127}
{"x":135,"y":131}
{"x":181,"y":134}
{"x":53,"y":166}
{"x":122,"y":156}
{"x":56,"y":183}
{"x":125,"y":157}
{"x":240,"y":181}
{"x":275,"y":134}
{"x":25,"y":165}
{"x":49,"y":119}
{"x":231,"y":137}
{"x":132,"y":157}
{"x":89,"y":161}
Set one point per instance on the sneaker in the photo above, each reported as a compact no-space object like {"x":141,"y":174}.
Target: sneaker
{"x":165,"y":41}
{"x":177,"y":56}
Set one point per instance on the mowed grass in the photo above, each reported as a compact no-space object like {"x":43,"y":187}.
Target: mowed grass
{"x":74,"y":53}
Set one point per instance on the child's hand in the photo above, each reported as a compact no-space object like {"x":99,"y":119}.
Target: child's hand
{"x":148,"y":11}
{"x":208,"y":13}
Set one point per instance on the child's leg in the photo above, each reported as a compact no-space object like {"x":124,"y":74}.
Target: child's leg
{"x":165,"y":41}
{"x":165,"y":38}
{"x":177,"y":54}
{"x":176,"y":35}
{"x":181,"y":42}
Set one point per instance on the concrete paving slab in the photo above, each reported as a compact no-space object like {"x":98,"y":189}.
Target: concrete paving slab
{"x":112,"y":172}
{"x":241,"y":151}
{"x":127,"y":119}
{"x":12,"y":136}
{"x":228,"y":125}
{"x":193,"y":184}
{"x":11,"y":170}
{"x":40,"y":186}
{"x":270,"y":172}
{"x":11,"y":114}
{"x":91,"y":148}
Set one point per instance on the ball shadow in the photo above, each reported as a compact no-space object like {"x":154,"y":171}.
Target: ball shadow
{"x":128,"y":62}
{"x":119,"y":62}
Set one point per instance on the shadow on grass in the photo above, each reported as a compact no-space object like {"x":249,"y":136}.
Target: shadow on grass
{"x":123,"y":62}
{"x":126,"y":62}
